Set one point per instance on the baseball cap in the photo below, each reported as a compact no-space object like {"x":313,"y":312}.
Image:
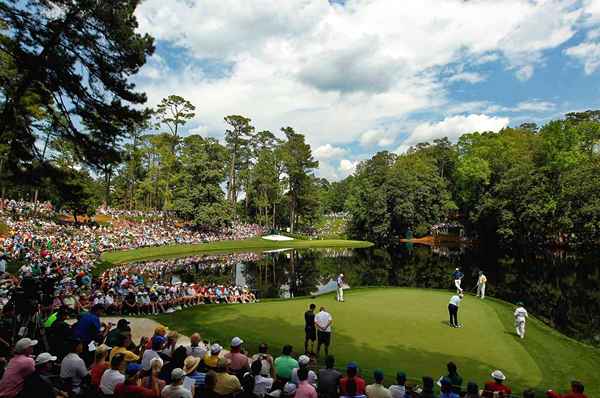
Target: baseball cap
{"x":303,"y":360}
{"x":122,"y":323}
{"x":352,"y":365}
{"x":215,"y":348}
{"x":289,"y":388}
{"x":378,"y":374}
{"x":236,"y":342}
{"x":43,"y":358}
{"x":24,"y":344}
{"x":133,"y":369}
{"x":177,"y":374}
{"x":158,"y":339}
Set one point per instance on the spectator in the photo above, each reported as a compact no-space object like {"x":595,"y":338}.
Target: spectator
{"x":303,"y":362}
{"x":154,"y":352}
{"x":352,"y":384}
{"x":131,"y":387}
{"x":18,"y":369}
{"x":113,"y":376}
{"x":225,"y":383}
{"x":329,"y":379}
{"x":194,"y":380}
{"x":254,"y":384}
{"x":171,"y":344}
{"x":577,"y":389}
{"x":398,"y":390}
{"x":209,"y":385}
{"x":72,"y":368}
{"x":175,"y":389}
{"x":112,"y":338}
{"x":285,"y":364}
{"x":528,"y":393}
{"x":59,"y":334}
{"x":305,"y":389}
{"x":38,"y":384}
{"x":178,"y":361}
{"x":497,"y":385}
{"x":156,"y":365}
{"x":377,"y":389}
{"x":122,"y":347}
{"x":454,"y":378}
{"x":211,"y":359}
{"x":472,"y":390}
{"x":427,"y":388}
{"x":196,"y":348}
{"x":447,"y":389}
{"x":267,"y":370}
{"x":160,"y":330}
{"x":88,"y":328}
{"x":100,"y":364}
{"x":238,"y":361}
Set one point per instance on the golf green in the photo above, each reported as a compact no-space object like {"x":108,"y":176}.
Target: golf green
{"x":406,"y":329}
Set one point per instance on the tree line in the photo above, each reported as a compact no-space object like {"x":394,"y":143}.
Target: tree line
{"x":524,"y":185}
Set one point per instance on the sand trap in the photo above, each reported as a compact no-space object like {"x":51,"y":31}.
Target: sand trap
{"x":278,"y":238}
{"x":143,"y":327}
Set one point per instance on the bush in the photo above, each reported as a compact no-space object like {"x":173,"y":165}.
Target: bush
{"x":421,"y":230}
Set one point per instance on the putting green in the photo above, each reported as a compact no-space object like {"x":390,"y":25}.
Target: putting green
{"x":406,"y":329}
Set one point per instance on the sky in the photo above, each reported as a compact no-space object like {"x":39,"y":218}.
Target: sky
{"x":360,"y":76}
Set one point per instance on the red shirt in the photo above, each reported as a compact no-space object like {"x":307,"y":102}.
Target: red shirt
{"x":132,"y":390}
{"x":360,"y":385}
{"x":572,"y":394}
{"x":492,"y":386}
{"x":97,"y":371}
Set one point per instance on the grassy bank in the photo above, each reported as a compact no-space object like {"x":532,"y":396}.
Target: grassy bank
{"x":228,"y":246}
{"x":406,"y":329}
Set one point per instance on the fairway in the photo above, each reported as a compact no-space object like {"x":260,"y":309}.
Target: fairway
{"x":406,"y":329}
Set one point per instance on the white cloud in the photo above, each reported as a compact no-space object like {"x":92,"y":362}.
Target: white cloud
{"x":375,"y":137}
{"x":524,"y":72}
{"x":329,"y":151}
{"x":587,"y":53}
{"x":348,"y":166}
{"x":534,"y":106}
{"x":453,"y":127}
{"x":469,"y":77}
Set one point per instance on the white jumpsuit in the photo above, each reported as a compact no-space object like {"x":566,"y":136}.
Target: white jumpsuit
{"x":520,"y":319}
{"x":481,"y":286}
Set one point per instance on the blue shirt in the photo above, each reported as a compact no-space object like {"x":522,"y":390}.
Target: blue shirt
{"x":449,"y":395}
{"x":197,"y":377}
{"x":457,"y":275}
{"x":87,"y":328}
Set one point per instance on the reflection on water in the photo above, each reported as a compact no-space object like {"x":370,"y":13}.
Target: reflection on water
{"x":560,"y":288}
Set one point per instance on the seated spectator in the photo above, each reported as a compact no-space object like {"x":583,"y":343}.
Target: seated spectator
{"x":268,"y":370}
{"x":454,"y":378}
{"x":528,"y":393}
{"x":176,"y":389}
{"x":352,"y":385}
{"x":397,"y":390}
{"x":196,"y":348}
{"x":38,"y":384}
{"x":328,"y":380}
{"x":285,"y":364}
{"x":211,"y":359}
{"x":209,"y":385}
{"x":497,"y":385}
{"x":226,"y":384}
{"x":447,"y":389}
{"x":112,"y":338}
{"x":171,"y":344}
{"x":377,"y":389}
{"x":305,"y":389}
{"x":113,"y":376}
{"x":194,"y":380}
{"x":238,"y":362}
{"x":153,"y":374}
{"x":303,"y":362}
{"x":472,"y":390}
{"x":18,"y":369}
{"x":122,"y":347}
{"x":100,"y":364}
{"x":577,"y":389}
{"x":178,"y":361}
{"x":154,"y":352}
{"x":427,"y":388}
{"x":72,"y":368}
{"x":131,"y":387}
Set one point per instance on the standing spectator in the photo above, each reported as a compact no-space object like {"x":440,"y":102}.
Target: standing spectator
{"x":100,"y":364}
{"x":59,"y":334}
{"x":18,"y":368}
{"x":329,"y":379}
{"x":176,"y":389}
{"x":377,"y":389}
{"x":238,"y":362}
{"x":323,"y":322}
{"x":38,"y":384}
{"x":305,"y":389}
{"x":154,"y":352}
{"x":310,"y":331}
{"x":454,"y":378}
{"x":447,"y":389}
{"x":266,"y":359}
{"x":72,"y":368}
{"x":196,"y":348}
{"x":303,"y":362}
{"x":285,"y":364}
{"x":131,"y":387}
{"x":352,"y":383}
{"x":399,"y":389}
{"x":113,"y":376}
{"x":497,"y":385}
{"x":577,"y":389}
{"x":226,"y":384}
{"x":87,"y":329}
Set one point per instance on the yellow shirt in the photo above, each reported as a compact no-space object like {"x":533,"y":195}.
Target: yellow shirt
{"x":129,"y":356}
{"x":227,"y":384}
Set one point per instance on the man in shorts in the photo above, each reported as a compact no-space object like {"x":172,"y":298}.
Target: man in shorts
{"x":310,"y":330}
{"x":323,"y":321}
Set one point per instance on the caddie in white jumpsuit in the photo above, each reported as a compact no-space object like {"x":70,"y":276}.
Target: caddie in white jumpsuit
{"x":340,"y":287}
{"x":481,"y":285}
{"x":520,"y":320}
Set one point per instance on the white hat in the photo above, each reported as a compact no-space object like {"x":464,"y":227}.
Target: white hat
{"x":177,"y":374}
{"x":236,"y":342}
{"x":24,"y":344}
{"x":215,"y":348}
{"x":498,"y":375}
{"x":43,"y":358}
{"x":303,"y":360}
{"x":289,"y":388}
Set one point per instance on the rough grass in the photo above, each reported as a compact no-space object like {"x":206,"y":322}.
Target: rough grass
{"x":228,"y":246}
{"x":406,"y":329}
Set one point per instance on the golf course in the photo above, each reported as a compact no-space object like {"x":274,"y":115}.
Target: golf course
{"x":406,"y":329}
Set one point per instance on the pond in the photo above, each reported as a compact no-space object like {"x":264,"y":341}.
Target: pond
{"x":561,"y":288}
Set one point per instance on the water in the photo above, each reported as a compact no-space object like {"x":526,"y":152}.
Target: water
{"x":560,"y":288}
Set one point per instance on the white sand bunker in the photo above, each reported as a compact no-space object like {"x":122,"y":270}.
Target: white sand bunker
{"x":279,"y":238}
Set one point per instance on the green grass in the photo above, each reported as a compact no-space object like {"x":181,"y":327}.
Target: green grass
{"x":406,"y":329}
{"x":227,"y":246}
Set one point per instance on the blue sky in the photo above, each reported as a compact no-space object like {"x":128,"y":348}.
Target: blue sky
{"x":359,"y":76}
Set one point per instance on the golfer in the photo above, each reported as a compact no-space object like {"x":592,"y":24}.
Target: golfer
{"x":323,"y":321}
{"x":520,"y":319}
{"x":481,"y":281}
{"x":340,"y":287}
{"x":310,"y":330}
{"x":457,"y":275}
{"x":453,"y":310}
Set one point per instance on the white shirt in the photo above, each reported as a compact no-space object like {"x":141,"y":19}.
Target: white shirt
{"x":109,"y":380}
{"x":73,"y":367}
{"x":521,"y":314}
{"x":322,"y":319}
{"x":197,"y":352}
{"x":148,"y":356}
{"x":171,"y":391}
{"x":455,"y":300}
{"x":312,"y":377}
{"x":482,"y":280}
{"x":262,"y":385}
{"x":397,"y":391}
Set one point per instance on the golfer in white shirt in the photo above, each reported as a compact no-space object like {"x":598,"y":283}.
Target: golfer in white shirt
{"x":520,"y":319}
{"x":340,"y":287}
{"x":481,"y":281}
{"x":323,"y":321}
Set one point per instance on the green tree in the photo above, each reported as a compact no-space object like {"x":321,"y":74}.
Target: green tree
{"x":174,"y":112}
{"x":237,"y":139}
